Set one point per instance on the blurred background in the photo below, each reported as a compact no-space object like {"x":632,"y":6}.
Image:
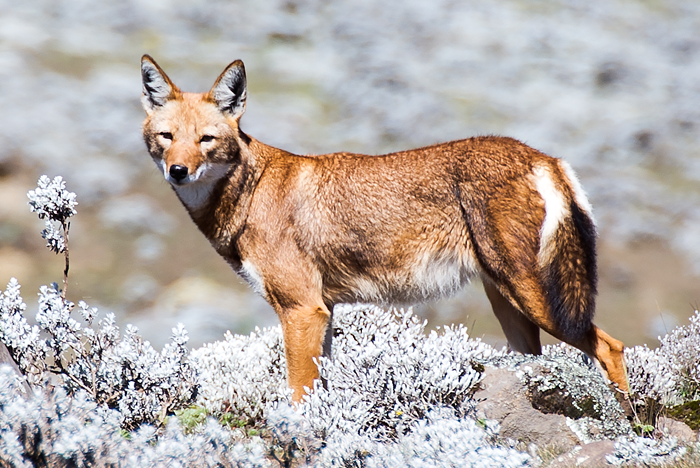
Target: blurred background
{"x":612,"y":86}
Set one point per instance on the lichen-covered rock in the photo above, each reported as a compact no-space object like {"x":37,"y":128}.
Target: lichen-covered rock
{"x":688,"y":413}
{"x":585,"y":456}
{"x":640,"y":451}
{"x":680,"y":430}
{"x":503,"y":397}
{"x":564,"y":381}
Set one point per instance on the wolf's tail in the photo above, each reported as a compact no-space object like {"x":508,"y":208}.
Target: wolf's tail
{"x":567,"y":256}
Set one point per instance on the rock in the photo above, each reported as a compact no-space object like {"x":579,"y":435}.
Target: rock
{"x":677,"y":429}
{"x":503,"y":397}
{"x":586,"y":456}
{"x":557,"y":400}
{"x":6,"y":360}
{"x":688,"y":412}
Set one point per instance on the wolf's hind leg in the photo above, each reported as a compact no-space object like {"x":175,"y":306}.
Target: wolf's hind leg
{"x":522,"y":335}
{"x":609,"y":352}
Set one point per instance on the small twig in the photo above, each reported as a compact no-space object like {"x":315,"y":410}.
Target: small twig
{"x":93,"y":368}
{"x":66,"y":228}
{"x":6,"y":357}
{"x":273,"y":454}
{"x":112,"y":398}
{"x":164,"y":412}
{"x":93,"y":371}
{"x":63,"y":371}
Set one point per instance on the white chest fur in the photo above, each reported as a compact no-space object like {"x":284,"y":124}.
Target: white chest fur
{"x":253,"y":277}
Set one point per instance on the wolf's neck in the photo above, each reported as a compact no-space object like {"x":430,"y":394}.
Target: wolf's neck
{"x":220,"y":208}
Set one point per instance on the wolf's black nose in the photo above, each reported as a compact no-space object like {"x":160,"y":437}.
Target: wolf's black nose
{"x":178,"y":172}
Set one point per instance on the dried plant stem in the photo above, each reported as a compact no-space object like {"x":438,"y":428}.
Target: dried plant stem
{"x":66,"y":227}
{"x":60,"y":369}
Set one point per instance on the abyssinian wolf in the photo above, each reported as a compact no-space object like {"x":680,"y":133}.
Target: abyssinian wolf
{"x":309,"y":232}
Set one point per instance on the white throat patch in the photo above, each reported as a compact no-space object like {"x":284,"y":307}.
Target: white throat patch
{"x":194,"y":196}
{"x":195,"y":193}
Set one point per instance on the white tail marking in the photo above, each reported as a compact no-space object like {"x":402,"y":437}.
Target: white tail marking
{"x":579,"y":193}
{"x":555,"y":211}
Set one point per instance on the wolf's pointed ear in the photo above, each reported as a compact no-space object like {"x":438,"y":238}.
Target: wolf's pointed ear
{"x":229,"y":91}
{"x":157,"y":87}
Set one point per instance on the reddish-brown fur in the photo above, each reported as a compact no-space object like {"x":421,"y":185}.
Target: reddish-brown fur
{"x":308,"y":232}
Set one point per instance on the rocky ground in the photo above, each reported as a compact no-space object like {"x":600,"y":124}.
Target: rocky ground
{"x":528,"y":418}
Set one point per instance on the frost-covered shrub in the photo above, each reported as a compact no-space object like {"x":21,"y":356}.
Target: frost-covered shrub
{"x":441,"y":439}
{"x":392,"y":396}
{"x":124,"y":372}
{"x":290,"y":435}
{"x":680,"y":348}
{"x":242,"y":375}
{"x":669,"y":374}
{"x":21,"y":339}
{"x":650,"y":376}
{"x":52,"y":427}
{"x":56,"y":429}
{"x":52,"y":202}
{"x":385,"y":373}
{"x":641,"y":451}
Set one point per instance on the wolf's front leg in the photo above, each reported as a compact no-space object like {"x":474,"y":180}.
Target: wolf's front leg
{"x":304,"y":329}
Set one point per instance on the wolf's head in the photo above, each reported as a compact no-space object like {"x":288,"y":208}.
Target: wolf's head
{"x":193,"y":137}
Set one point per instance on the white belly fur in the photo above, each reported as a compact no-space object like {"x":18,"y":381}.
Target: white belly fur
{"x":429,"y":276}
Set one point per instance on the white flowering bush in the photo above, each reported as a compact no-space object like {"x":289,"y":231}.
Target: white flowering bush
{"x":390,"y":394}
{"x":59,"y":429}
{"x":243,"y":375}
{"x":439,"y":440}
{"x":120,"y":372}
{"x":640,"y":451}
{"x":680,"y":349}
{"x":669,"y":374}
{"x":22,"y":340}
{"x":385,"y":373}
{"x":53,"y":203}
{"x":385,"y":383}
{"x":650,"y":375}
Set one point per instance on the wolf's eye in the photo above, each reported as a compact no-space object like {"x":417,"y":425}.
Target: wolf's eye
{"x":166,"y":135}
{"x":207,"y":138}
